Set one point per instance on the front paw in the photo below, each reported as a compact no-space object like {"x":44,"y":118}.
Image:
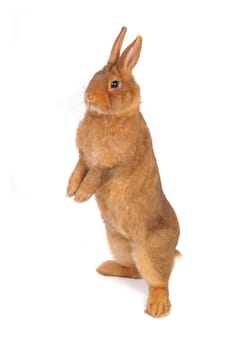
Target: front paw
{"x":82,"y":196}
{"x":71,"y":188}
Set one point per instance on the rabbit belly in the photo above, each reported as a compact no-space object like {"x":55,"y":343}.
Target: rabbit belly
{"x":115,"y":209}
{"x":132,"y":206}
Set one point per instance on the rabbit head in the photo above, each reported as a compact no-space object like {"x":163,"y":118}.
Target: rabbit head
{"x":113,"y":90}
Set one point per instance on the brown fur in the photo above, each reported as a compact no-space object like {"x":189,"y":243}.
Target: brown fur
{"x":117,"y":164}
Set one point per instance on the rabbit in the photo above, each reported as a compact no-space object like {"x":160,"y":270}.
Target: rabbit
{"x":117,"y":165}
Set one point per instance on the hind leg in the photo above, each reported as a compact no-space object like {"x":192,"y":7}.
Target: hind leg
{"x":154,"y":259}
{"x":123,"y":266}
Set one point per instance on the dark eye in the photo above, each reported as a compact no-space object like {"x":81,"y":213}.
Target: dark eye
{"x":115,"y":84}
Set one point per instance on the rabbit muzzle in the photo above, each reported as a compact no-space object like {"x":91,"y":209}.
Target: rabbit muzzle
{"x":89,"y":99}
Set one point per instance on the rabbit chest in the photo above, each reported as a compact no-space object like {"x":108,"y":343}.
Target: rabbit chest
{"x":107,"y":141}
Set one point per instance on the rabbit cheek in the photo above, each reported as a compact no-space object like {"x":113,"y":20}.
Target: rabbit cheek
{"x":102,"y":102}
{"x":116,"y":101}
{"x":105,"y":103}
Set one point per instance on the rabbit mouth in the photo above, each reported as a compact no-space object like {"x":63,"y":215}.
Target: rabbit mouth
{"x":96,"y":109}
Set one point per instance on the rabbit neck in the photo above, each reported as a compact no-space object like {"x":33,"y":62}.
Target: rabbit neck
{"x":127,"y":113}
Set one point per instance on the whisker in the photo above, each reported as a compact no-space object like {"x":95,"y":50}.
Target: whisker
{"x":80,"y":94}
{"x":83,"y":87}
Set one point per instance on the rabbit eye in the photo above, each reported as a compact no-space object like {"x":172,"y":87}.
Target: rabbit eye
{"x":115,"y":84}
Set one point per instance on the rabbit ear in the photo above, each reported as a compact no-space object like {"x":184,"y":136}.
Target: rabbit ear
{"x":115,"y":53}
{"x":130,"y":56}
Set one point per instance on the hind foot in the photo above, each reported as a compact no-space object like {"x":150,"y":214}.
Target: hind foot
{"x":112,"y":268}
{"x":158,"y":304}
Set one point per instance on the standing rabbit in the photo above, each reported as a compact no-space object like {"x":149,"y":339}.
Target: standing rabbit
{"x":117,"y":164}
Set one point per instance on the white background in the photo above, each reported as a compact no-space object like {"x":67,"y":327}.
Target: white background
{"x":52,"y":298}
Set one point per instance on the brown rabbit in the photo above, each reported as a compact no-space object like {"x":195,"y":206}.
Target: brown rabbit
{"x":117,"y":164}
